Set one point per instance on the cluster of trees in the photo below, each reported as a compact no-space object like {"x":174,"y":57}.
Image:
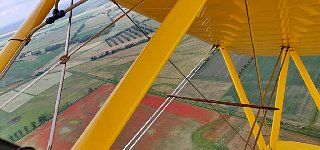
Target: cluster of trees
{"x":102,"y":55}
{"x":54,"y":47}
{"x":73,"y":38}
{"x":79,"y":38}
{"x":39,"y":73}
{"x":35,"y":53}
{"x":22,"y":55}
{"x":245,"y":66}
{"x":33,"y":126}
{"x":93,"y":58}
{"x":113,"y":12}
{"x":84,"y":38}
{"x":134,"y":31}
{"x":128,"y":33}
{"x":43,"y":118}
{"x":118,"y":37}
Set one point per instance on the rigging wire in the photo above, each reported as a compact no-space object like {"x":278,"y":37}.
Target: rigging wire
{"x":131,"y":20}
{"x":71,"y":53}
{"x":207,"y":100}
{"x":268,"y":85}
{"x":269,"y":82}
{"x":56,"y":4}
{"x":224,"y":103}
{"x":256,"y":68}
{"x":166,"y":103}
{"x":269,"y":102}
{"x":63,"y":71}
{"x":185,"y":77}
{"x":144,"y":128}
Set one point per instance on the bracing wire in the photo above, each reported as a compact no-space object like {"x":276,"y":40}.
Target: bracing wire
{"x":269,"y":83}
{"x":185,"y":78}
{"x":271,"y":96}
{"x":224,"y":103}
{"x":63,"y":71}
{"x":70,"y":54}
{"x":256,"y":68}
{"x":207,"y":100}
{"x":145,"y":34}
{"x":56,"y":4}
{"x":165,"y":104}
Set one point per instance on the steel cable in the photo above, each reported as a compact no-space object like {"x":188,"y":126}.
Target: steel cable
{"x":272,"y":93}
{"x":165,"y":104}
{"x":63,"y":70}
{"x":256,"y":68}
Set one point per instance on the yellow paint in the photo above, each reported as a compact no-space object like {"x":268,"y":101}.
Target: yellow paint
{"x":279,"y":101}
{"x":274,"y":22}
{"x":242,"y":95}
{"x":290,"y":145}
{"x":109,"y":121}
{"x":34,"y":19}
{"x":306,"y":78}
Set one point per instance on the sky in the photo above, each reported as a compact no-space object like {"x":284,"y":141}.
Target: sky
{"x":14,"y":10}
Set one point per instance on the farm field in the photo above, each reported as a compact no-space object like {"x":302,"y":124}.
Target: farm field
{"x":179,"y":118}
{"x":17,"y":119}
{"x":213,"y":80}
{"x":104,"y":61}
{"x":43,"y":105}
{"x":71,"y":122}
{"x":299,"y":106}
{"x":113,"y":67}
{"x":45,"y":83}
{"x":16,"y":103}
{"x":181,"y":126}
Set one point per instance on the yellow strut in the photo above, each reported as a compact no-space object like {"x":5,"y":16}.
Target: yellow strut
{"x":306,"y":78}
{"x":34,"y":19}
{"x":279,"y":102}
{"x":110,"y":120}
{"x":242,"y":95}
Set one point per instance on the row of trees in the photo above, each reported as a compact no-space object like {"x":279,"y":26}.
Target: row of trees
{"x":111,"y":13}
{"x":35,"y":53}
{"x":128,"y":33}
{"x":245,"y":66}
{"x":54,"y":47}
{"x":43,"y":118}
{"x":79,"y":37}
{"x":33,"y":126}
{"x":73,"y":38}
{"x":107,"y":53}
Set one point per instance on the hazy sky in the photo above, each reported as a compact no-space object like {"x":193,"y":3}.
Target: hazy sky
{"x":14,"y":10}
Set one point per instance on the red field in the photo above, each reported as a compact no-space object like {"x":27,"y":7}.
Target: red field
{"x":174,"y":127}
{"x":70,"y":123}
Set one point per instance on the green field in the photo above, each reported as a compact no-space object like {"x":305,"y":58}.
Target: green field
{"x":298,"y":104}
{"x":43,"y":103}
{"x":24,"y":69}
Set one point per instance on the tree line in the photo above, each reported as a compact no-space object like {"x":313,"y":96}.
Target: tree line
{"x":107,"y":53}
{"x":42,"y":119}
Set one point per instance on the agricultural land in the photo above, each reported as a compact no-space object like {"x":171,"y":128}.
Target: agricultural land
{"x":95,"y":70}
